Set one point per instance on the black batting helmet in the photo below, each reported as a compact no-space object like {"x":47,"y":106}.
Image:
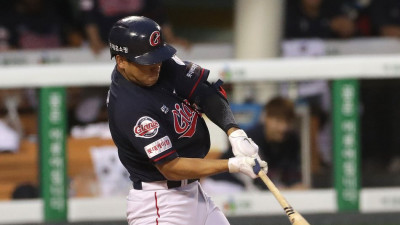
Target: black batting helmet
{"x":140,"y":40}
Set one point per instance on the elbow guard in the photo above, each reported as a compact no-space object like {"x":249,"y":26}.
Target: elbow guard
{"x":212,"y":100}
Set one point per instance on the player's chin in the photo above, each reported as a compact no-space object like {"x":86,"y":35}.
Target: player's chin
{"x":151,"y":81}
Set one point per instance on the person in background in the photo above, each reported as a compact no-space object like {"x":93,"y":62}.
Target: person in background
{"x":38,"y":24}
{"x":359,"y":12}
{"x":99,"y":15}
{"x":278,"y":144}
{"x":25,"y":191}
{"x":316,"y":19}
{"x":385,"y":16}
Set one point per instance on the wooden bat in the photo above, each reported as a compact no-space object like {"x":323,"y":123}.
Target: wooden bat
{"x":294,"y":217}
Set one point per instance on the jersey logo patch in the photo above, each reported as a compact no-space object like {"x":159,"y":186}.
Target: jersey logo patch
{"x":157,"y":147}
{"x":155,"y":38}
{"x":185,"y":120}
{"x":164,"y":109}
{"x":146,"y":127}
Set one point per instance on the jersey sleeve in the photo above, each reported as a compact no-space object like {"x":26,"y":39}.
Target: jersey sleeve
{"x":185,"y":76}
{"x":149,"y":135}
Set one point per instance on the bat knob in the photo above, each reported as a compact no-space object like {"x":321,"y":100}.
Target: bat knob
{"x":256,"y":167}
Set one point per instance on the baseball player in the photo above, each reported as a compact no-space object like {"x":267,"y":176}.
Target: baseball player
{"x":155,"y":106}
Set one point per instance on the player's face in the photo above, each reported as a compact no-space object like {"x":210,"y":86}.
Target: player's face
{"x":143,"y":75}
{"x":276,"y":128}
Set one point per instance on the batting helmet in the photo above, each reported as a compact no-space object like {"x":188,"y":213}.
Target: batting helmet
{"x":140,"y":40}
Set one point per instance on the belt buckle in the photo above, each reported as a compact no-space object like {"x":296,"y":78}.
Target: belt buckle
{"x":181,"y":183}
{"x":174,"y":184}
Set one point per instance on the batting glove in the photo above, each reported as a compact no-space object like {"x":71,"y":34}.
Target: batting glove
{"x":244,"y":165}
{"x":242,"y":145}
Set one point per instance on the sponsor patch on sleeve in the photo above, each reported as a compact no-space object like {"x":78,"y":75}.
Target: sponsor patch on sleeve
{"x":158,"y":146}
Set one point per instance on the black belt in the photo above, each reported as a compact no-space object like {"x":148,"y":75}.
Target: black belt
{"x":170,"y":183}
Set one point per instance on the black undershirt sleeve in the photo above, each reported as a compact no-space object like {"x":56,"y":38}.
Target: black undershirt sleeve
{"x":189,"y":81}
{"x":215,"y":106}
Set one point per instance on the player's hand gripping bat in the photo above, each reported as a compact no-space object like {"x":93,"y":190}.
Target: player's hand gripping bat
{"x":294,"y":217}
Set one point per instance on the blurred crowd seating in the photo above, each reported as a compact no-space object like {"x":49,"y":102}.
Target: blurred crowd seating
{"x":22,"y":168}
{"x":43,"y":24}
{"x":38,"y":24}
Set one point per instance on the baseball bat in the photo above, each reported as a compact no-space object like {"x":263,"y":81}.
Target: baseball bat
{"x":294,"y":217}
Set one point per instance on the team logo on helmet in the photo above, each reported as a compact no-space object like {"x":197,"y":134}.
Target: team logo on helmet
{"x":155,"y":38}
{"x":146,"y":127}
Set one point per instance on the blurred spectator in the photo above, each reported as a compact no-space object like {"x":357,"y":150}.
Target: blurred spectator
{"x":11,"y":129}
{"x":39,"y":24}
{"x":9,"y":138}
{"x":278,"y":145}
{"x":25,"y":191}
{"x":317,"y":18}
{"x":359,"y":12}
{"x":86,"y":107}
{"x":317,"y":96}
{"x":100,"y":15}
{"x":385,"y":16}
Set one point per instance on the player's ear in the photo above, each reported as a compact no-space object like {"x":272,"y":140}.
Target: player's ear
{"x":121,"y":61}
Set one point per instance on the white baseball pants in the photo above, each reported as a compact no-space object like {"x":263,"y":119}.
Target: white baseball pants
{"x":158,"y":205}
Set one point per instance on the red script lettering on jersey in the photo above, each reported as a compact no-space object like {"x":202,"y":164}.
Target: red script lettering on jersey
{"x":185,"y":120}
{"x":144,"y":129}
